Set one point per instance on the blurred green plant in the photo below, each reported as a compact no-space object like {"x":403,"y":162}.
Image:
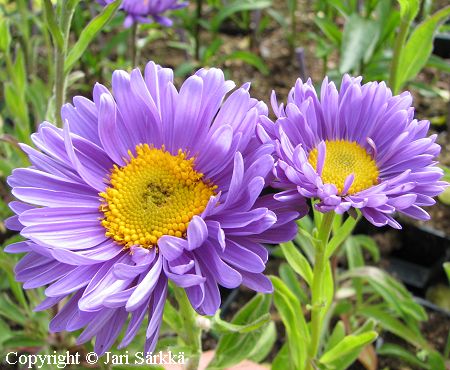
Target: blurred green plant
{"x":235,"y":15}
{"x":377,"y":41}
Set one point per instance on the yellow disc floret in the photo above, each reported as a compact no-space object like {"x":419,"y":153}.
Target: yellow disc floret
{"x":343,"y":158}
{"x":154,"y":194}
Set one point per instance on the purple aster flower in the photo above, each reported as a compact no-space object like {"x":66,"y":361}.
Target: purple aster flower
{"x":142,"y":186}
{"x":359,"y":147}
{"x":147,"y":11}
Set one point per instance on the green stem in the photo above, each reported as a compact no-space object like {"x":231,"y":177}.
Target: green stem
{"x":399,"y":43}
{"x":198,"y":16}
{"x":65,"y":21}
{"x":191,"y":334}
{"x":293,"y":34}
{"x":317,"y":304}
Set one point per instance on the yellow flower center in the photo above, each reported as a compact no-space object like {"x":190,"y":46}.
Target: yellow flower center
{"x":154,"y":194}
{"x":342,"y":159}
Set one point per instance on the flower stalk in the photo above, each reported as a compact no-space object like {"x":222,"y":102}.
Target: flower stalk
{"x":318,"y":304}
{"x":398,"y":47}
{"x":60,"y":50}
{"x":191,"y":333}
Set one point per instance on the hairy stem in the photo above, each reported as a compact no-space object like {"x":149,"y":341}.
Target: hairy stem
{"x":317,"y":303}
{"x":198,"y":15}
{"x":399,"y":44}
{"x":191,"y":334}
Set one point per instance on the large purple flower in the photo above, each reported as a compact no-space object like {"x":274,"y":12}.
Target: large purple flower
{"x":146,"y":11}
{"x":142,"y":186}
{"x":359,"y":147}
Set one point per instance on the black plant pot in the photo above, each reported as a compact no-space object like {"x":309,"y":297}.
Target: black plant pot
{"x":441,"y":44}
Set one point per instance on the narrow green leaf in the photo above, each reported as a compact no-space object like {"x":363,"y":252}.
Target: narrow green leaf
{"x":264,"y":344}
{"x":329,"y":28}
{"x":223,"y":326}
{"x":291,"y":279}
{"x":5,"y":36}
{"x":249,"y":58}
{"x":369,"y":244}
{"x":447,"y":270}
{"x":436,"y":361}
{"x":297,"y":261}
{"x":236,"y":7}
{"x":347,"y":345}
{"x":439,"y":63}
{"x":10,"y":311}
{"x":342,"y":234}
{"x":359,"y":36}
{"x":172,"y":317}
{"x":415,"y":54}
{"x":235,"y":347}
{"x":394,"y":350}
{"x":212,"y":50}
{"x":409,"y":9}
{"x":5,"y":332}
{"x":336,"y":336}
{"x":88,"y":34}
{"x":291,"y":314}
{"x":281,"y":360}
{"x":392,"y":291}
{"x":23,"y":341}
{"x":52,"y":24}
{"x":19,"y":76}
{"x":393,"y":325}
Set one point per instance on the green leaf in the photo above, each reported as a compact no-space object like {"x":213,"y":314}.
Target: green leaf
{"x":359,"y":36}
{"x":415,"y":54}
{"x":290,"y":310}
{"x":88,"y":34}
{"x":393,"y":325}
{"x":341,"y":235}
{"x":212,"y":50}
{"x":409,"y":9}
{"x":52,"y":24}
{"x":235,"y":347}
{"x":288,"y":275}
{"x":329,"y":28}
{"x":264,"y":344}
{"x":10,"y":311}
{"x":354,"y":254}
{"x":249,"y":58}
{"x":281,"y":360}
{"x":236,"y":7}
{"x":5,"y":332}
{"x":172,"y":318}
{"x":336,"y":336}
{"x":19,"y":76}
{"x":436,"y":361}
{"x":394,"y":350}
{"x":220,"y":325}
{"x":7,"y":265}
{"x":23,"y":341}
{"x":439,"y":63}
{"x":447,"y":270}
{"x":392,"y":291}
{"x":297,"y":261}
{"x":351,"y":343}
{"x":369,"y":244}
{"x":5,"y":36}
